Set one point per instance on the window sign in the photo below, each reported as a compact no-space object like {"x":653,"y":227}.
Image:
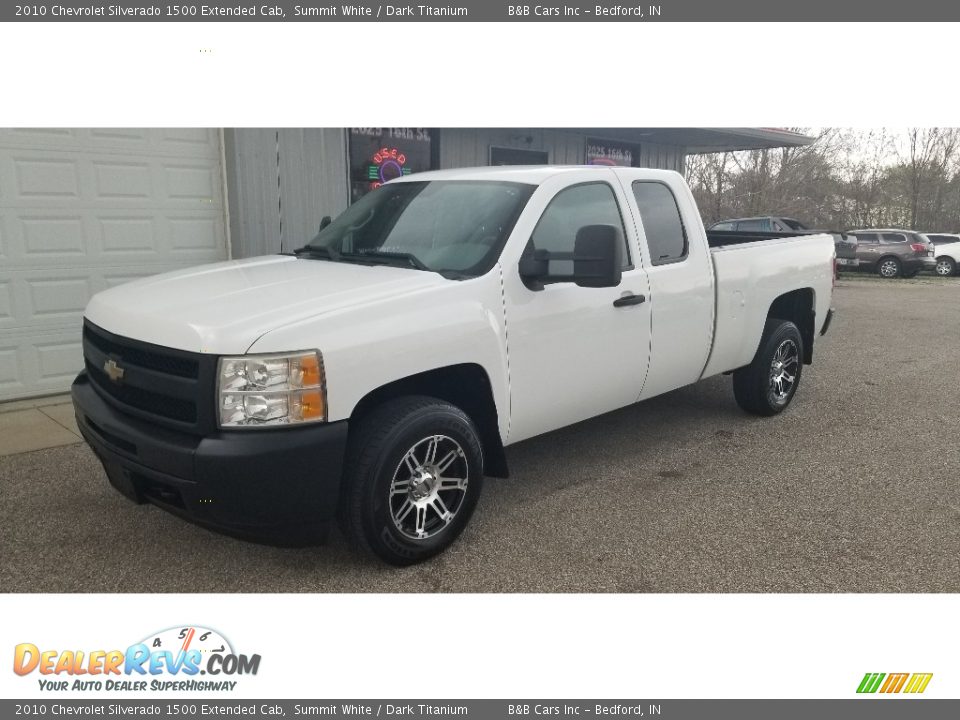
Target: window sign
{"x":378,"y":155}
{"x":603,"y":152}
{"x":518,"y":156}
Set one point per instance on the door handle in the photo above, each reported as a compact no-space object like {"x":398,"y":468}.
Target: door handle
{"x":629,"y":300}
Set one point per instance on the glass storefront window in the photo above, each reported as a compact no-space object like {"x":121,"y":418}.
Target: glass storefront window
{"x":378,"y":155}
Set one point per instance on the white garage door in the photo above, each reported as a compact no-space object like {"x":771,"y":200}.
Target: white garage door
{"x":83,"y":210}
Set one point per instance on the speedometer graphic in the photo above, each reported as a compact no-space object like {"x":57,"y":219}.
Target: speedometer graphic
{"x":184,"y":639}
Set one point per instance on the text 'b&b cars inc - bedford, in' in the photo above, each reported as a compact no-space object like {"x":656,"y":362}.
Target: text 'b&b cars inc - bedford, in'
{"x":376,"y":375}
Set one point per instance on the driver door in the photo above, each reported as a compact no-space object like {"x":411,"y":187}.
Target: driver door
{"x":573,"y":354}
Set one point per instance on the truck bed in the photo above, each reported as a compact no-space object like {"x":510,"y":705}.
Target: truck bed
{"x":750,"y":271}
{"x":720,"y":238}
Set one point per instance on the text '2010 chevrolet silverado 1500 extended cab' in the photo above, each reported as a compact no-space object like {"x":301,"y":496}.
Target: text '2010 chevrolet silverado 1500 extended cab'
{"x":375,"y":375}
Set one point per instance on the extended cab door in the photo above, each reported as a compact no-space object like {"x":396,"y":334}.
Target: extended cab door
{"x":680,"y":273}
{"x":572,"y":353}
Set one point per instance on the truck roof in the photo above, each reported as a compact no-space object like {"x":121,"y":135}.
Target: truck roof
{"x":529,"y":174}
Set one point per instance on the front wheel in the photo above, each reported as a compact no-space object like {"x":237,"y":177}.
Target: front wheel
{"x":946,"y":267}
{"x":767,"y":385}
{"x":414,"y":474}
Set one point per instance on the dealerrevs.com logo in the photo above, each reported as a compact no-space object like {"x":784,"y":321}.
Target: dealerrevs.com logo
{"x":189,"y":658}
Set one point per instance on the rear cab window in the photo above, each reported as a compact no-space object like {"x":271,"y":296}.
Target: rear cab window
{"x":662,"y":225}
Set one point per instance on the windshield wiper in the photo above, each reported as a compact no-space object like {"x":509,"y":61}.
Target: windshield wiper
{"x":318,"y":251}
{"x":409,"y":258}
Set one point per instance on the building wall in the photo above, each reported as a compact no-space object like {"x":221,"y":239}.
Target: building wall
{"x":470,"y":147}
{"x":281,"y":182}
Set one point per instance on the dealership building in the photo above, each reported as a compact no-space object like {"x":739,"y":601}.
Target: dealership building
{"x":82,"y":210}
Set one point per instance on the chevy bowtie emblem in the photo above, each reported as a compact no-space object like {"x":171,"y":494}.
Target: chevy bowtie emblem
{"x":113,"y":371}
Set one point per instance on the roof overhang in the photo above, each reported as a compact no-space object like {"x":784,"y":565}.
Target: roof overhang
{"x":707,"y":140}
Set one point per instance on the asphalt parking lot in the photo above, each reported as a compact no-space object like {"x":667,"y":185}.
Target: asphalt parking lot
{"x":856,"y":488}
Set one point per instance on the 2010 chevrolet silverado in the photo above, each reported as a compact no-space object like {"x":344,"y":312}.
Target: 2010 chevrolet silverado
{"x":377,"y":374}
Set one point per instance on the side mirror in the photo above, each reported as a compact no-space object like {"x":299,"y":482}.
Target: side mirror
{"x":596,"y":256}
{"x":596,"y":260}
{"x":324,"y":221}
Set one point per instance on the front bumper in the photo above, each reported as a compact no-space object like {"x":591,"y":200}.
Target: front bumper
{"x":279,"y":486}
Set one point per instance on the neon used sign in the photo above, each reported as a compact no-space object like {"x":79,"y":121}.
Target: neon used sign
{"x":386,"y":164}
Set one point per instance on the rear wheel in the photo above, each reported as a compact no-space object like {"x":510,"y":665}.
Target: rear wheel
{"x":888,"y":268}
{"x":767,"y":385}
{"x":414,"y":474}
{"x":945,"y":267}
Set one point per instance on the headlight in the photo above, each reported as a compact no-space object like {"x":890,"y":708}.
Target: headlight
{"x":270,"y":390}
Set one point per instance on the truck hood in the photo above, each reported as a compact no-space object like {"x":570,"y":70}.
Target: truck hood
{"x":225,"y":307}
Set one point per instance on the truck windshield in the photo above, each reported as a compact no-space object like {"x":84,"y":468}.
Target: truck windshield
{"x":456,"y":228}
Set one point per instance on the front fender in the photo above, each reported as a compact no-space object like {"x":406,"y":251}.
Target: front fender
{"x":370,"y":345}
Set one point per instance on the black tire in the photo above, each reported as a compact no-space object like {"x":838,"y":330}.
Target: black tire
{"x":754,"y":386}
{"x":374,"y":494}
{"x":889,"y":268}
{"x":946,"y":267}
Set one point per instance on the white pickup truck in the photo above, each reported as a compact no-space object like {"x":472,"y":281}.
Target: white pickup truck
{"x":377,"y":374}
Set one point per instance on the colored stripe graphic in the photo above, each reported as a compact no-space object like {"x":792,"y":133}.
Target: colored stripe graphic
{"x":918,"y":683}
{"x":870,"y":682}
{"x":894,"y":682}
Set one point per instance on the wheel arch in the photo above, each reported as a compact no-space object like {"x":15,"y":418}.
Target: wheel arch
{"x":465,"y":385}
{"x":799,"y":307}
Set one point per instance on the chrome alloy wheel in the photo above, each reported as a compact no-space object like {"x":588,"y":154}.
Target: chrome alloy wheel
{"x":889,"y":268}
{"x":428,"y":487}
{"x":944,"y":267}
{"x":783,"y":371}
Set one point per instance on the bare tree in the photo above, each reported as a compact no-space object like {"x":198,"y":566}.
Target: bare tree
{"x":929,"y":153}
{"x":845,"y":178}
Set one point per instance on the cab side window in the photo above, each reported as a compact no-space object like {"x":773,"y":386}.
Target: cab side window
{"x":572,"y":208}
{"x":662,"y":224}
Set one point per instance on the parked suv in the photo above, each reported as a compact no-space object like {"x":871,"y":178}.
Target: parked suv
{"x":893,"y":253}
{"x":767,"y":223}
{"x":846,"y":249}
{"x":946,"y":251}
